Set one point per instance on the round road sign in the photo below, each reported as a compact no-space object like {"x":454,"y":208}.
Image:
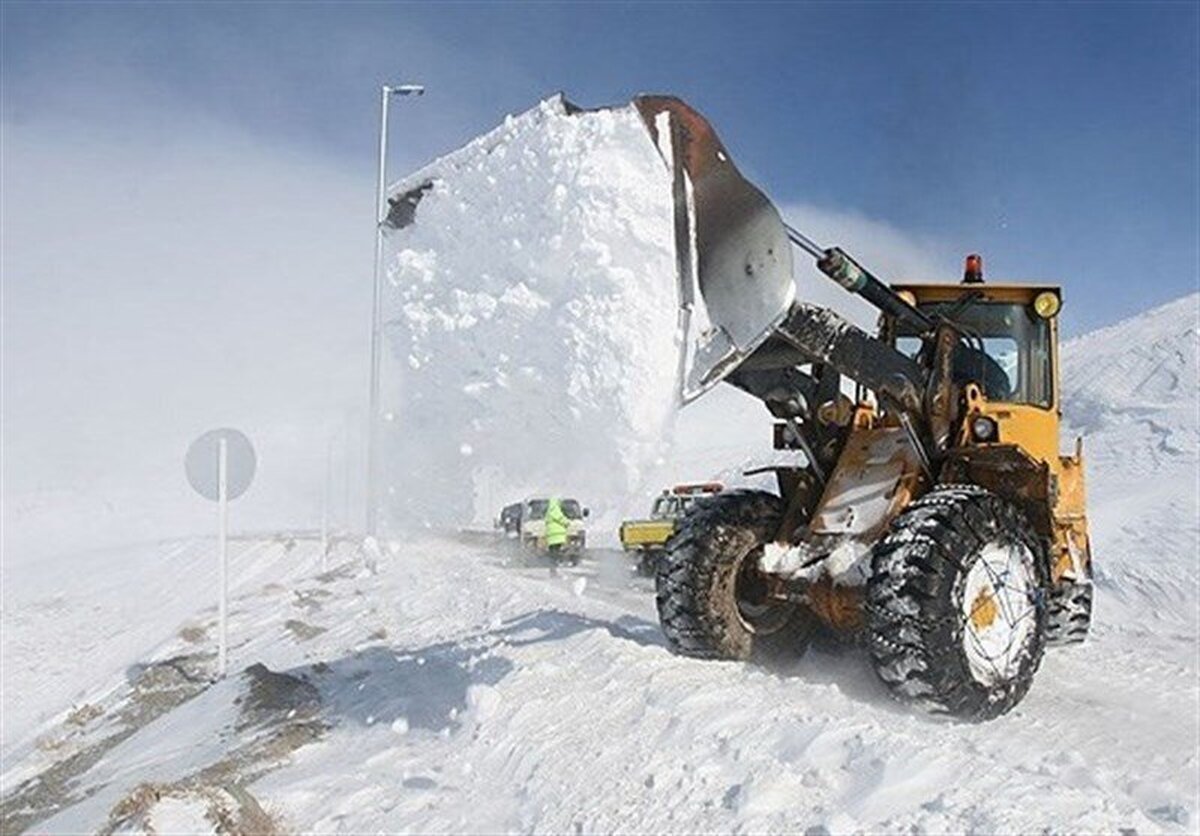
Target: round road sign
{"x":202,"y":466}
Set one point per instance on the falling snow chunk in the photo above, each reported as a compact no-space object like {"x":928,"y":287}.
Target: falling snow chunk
{"x":563,"y":267}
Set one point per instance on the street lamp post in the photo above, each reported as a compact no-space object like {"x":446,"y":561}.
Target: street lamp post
{"x":386,"y":93}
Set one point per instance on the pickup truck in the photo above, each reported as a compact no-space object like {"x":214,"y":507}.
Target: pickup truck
{"x":646,"y":538}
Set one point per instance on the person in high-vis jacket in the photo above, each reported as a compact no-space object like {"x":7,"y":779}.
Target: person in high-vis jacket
{"x":557,"y":523}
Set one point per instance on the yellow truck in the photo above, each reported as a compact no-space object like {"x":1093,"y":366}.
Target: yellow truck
{"x":646,"y":539}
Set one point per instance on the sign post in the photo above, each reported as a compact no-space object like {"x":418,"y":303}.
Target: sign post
{"x":326,"y":499}
{"x":220,"y":466}
{"x":223,"y":554}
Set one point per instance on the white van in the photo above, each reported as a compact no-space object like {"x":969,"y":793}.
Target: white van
{"x":533,"y":525}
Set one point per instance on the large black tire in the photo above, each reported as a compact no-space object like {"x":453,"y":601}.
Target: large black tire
{"x":956,"y":611}
{"x":709,"y":593}
{"x":1069,"y":612}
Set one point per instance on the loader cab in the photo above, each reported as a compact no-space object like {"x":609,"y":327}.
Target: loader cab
{"x":1010,"y":337}
{"x":1009,"y":353}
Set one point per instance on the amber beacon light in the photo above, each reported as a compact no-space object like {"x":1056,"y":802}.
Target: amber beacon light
{"x":973,"y":271}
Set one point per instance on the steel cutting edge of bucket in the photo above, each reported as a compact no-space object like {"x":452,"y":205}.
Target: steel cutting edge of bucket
{"x":731,"y":246}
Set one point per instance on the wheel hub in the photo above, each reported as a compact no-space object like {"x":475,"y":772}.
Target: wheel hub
{"x":756,"y":608}
{"x":999,"y":614}
{"x":983,"y":610}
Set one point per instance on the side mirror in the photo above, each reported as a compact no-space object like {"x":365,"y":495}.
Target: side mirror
{"x":587,"y":512}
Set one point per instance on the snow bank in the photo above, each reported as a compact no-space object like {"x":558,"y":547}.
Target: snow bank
{"x":74,"y":626}
{"x":532,"y":319}
{"x":1142,"y":365}
{"x":1132,"y":390}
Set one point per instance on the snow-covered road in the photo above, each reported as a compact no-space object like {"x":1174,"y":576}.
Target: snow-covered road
{"x":459,"y":692}
{"x":547,"y":705}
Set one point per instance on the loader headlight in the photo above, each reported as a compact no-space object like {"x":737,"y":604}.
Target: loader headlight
{"x":1046,"y":304}
{"x":984,"y":429}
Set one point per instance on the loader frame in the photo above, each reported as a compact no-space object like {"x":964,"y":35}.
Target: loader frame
{"x":914,"y":431}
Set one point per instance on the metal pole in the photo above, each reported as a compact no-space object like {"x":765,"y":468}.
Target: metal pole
{"x":223,"y":556}
{"x":376,"y":313}
{"x":326,"y":495}
{"x":347,"y":518}
{"x":385,"y":94}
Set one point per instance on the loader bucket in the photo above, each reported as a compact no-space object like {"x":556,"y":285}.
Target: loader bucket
{"x":731,"y":248}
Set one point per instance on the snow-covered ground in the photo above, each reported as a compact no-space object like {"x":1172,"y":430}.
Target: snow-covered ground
{"x":454,"y":690}
{"x":1132,"y":392}
{"x":100,"y":610}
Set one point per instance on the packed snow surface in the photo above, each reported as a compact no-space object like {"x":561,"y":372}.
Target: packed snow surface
{"x":533,"y":318}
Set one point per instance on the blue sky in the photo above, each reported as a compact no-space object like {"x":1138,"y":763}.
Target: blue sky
{"x":1058,"y":139}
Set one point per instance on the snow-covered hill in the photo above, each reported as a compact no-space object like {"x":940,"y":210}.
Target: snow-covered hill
{"x":1144,"y":365}
{"x":455,"y":691}
{"x":1133,"y":392}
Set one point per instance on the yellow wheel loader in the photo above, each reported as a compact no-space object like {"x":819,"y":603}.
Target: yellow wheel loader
{"x":928,"y":512}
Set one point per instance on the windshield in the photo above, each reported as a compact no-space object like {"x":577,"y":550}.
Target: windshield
{"x":1014,"y":365}
{"x":535,"y":509}
{"x":662,"y":506}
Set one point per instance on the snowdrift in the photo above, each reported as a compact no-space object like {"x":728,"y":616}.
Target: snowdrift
{"x":531,"y":318}
{"x":1140,"y":372}
{"x":1131,"y":390}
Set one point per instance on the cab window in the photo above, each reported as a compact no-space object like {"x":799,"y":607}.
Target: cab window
{"x":1007,"y":351}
